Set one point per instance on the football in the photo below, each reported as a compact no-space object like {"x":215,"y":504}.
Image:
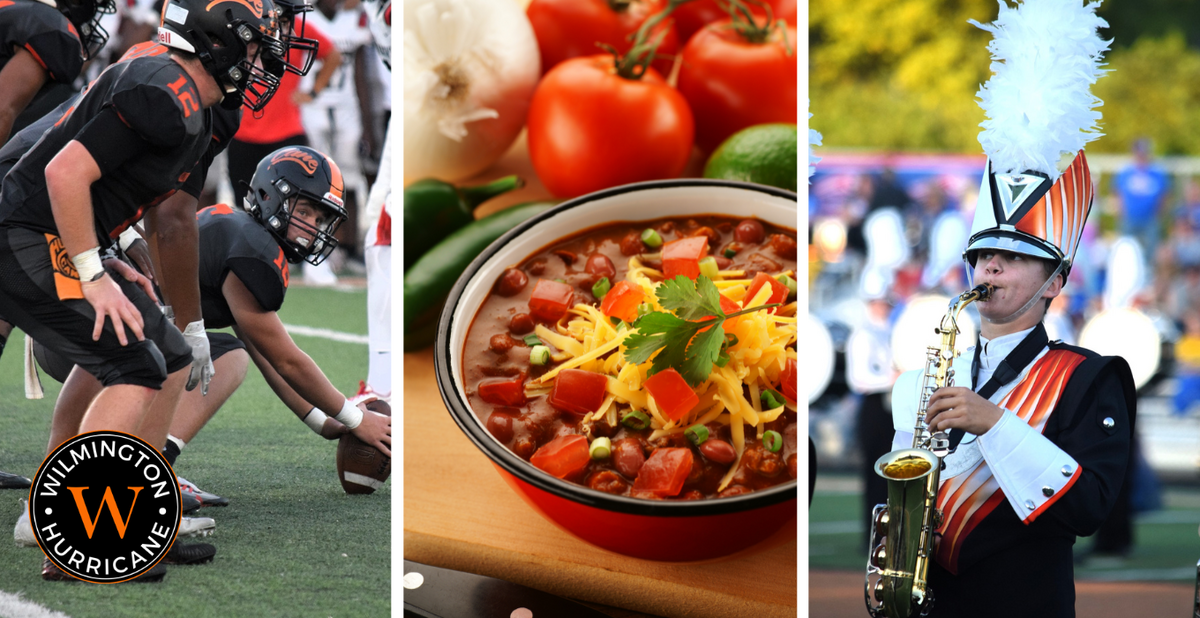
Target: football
{"x":361,"y":467}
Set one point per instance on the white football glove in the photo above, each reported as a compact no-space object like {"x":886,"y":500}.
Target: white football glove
{"x":202,"y":367}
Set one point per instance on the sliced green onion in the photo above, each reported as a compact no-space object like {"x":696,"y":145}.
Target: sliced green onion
{"x":696,"y":434}
{"x":601,"y":287}
{"x":615,"y":320}
{"x":643,"y":309}
{"x":708,"y":267}
{"x":790,"y":283}
{"x":772,"y":441}
{"x":532,"y":340}
{"x":651,"y":238}
{"x":769,"y":400}
{"x":730,"y":252}
{"x":635,"y":420}
{"x":601,"y":448}
{"x":539,"y":355}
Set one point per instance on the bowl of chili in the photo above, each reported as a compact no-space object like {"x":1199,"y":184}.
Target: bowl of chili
{"x":576,"y":449}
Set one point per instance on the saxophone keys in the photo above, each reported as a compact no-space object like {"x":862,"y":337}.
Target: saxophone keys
{"x":879,"y":556}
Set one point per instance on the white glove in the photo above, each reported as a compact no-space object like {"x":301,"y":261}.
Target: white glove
{"x":202,"y":368}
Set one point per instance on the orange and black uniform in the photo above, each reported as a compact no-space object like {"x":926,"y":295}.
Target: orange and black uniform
{"x":54,"y":43}
{"x":142,"y":123}
{"x":231,"y":241}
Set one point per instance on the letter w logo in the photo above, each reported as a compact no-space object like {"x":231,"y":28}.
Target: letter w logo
{"x":89,"y":522}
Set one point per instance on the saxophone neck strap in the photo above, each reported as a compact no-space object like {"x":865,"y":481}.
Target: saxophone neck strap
{"x":1006,"y":371}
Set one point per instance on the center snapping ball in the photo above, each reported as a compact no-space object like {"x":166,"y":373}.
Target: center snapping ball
{"x":361,"y":467}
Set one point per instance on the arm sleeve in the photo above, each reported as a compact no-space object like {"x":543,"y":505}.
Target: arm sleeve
{"x":264,"y":280}
{"x":1074,"y":479}
{"x":109,"y":140}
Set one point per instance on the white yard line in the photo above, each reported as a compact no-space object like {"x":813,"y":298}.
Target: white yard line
{"x":325,"y":333}
{"x":13,"y":606}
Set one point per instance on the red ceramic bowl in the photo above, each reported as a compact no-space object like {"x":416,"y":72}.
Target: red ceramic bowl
{"x":650,"y":529}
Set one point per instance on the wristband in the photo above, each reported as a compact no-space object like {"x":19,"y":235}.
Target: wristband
{"x":315,"y":419}
{"x":350,"y":416}
{"x":127,"y":238}
{"x":88,"y":264}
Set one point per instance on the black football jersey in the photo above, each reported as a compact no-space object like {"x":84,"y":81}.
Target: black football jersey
{"x":160,"y":104}
{"x":44,"y":32}
{"x":231,"y":241}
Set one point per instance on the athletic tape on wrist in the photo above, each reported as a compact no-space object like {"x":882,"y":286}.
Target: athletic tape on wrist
{"x":350,"y":416}
{"x":88,"y":264}
{"x":315,"y":419}
{"x":127,"y":238}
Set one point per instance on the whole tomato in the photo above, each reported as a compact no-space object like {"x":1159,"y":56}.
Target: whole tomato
{"x":590,"y":129}
{"x":731,"y":83}
{"x":691,"y":17}
{"x":571,"y":28}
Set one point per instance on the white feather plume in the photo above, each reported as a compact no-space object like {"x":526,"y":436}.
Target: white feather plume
{"x":1045,"y":56}
{"x":814,"y":139}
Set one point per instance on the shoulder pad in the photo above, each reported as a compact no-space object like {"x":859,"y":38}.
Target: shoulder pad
{"x":157,"y":99}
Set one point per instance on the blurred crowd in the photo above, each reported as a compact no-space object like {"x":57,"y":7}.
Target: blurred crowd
{"x":342,"y":107}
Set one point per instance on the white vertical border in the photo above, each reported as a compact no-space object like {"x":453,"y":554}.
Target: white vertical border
{"x":396,"y":210}
{"x":802,"y":305}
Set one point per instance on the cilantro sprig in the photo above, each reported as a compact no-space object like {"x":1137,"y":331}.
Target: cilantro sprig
{"x":695,"y":306}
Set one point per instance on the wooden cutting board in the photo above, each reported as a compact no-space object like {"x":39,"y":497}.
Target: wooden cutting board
{"x":459,"y":514}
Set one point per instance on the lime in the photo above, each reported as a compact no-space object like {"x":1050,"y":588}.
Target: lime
{"x":765,"y":154}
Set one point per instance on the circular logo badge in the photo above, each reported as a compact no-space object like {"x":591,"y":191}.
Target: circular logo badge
{"x":105,"y":507}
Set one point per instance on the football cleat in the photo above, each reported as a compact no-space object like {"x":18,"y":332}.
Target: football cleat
{"x":23,"y":531}
{"x":13,"y":481}
{"x":192,"y":553}
{"x":197,"y":526}
{"x":363,"y":395}
{"x":189,"y":503}
{"x":206,"y":499}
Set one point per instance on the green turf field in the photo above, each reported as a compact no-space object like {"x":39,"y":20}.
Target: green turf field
{"x":1166,"y":545}
{"x":291,"y":543}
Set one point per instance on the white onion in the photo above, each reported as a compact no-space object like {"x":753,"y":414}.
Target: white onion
{"x":470,"y":67}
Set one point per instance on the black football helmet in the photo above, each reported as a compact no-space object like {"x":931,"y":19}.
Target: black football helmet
{"x":282,"y":178}
{"x":292,"y":22}
{"x":220,"y":33}
{"x":85,"y":16}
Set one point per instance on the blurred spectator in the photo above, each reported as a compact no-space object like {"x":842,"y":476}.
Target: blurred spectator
{"x":1142,"y":188}
{"x":1187,"y":359}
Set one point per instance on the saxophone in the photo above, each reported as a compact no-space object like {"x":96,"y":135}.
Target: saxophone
{"x":905,"y":525}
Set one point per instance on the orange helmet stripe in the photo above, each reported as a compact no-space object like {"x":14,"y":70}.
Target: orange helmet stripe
{"x":335,"y":178}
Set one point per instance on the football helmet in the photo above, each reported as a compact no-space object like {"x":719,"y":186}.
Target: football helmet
{"x":292,"y":22}
{"x":237,"y":42}
{"x":282,"y":178}
{"x":85,"y":16}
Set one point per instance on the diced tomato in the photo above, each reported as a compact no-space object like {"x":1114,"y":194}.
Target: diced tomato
{"x":779,"y":291}
{"x":509,"y":392}
{"x":622,"y":301}
{"x":665,"y":472}
{"x":682,"y":257}
{"x":728,"y":307}
{"x":550,"y":300}
{"x":563,"y":456}
{"x":787,"y":381}
{"x":578,"y":391}
{"x":672,"y":393}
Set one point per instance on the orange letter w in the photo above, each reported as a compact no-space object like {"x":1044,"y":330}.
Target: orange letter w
{"x":89,"y":522}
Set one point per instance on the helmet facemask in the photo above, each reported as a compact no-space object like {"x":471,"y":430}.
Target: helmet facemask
{"x":253,"y":79}
{"x":85,"y":15}
{"x":292,"y":24}
{"x":315,"y":242}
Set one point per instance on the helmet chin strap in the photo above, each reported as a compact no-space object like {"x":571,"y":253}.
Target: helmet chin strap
{"x":1032,"y":300}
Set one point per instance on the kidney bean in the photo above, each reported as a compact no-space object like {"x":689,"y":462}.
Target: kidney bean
{"x":719,"y":451}
{"x":524,"y":448}
{"x":723,"y":263}
{"x":791,"y":464}
{"x":749,"y":231}
{"x":500,"y":425}
{"x":714,"y":238}
{"x":568,"y":257}
{"x":763,"y":462}
{"x":694,"y":494}
{"x":521,"y":323}
{"x":784,"y":246}
{"x":511,"y":282}
{"x":724,"y":227}
{"x":632,"y":244}
{"x":607,"y":481}
{"x":536,"y":267}
{"x":501,"y":343}
{"x":628,"y":457}
{"x":599,"y":266}
{"x":761,"y":263}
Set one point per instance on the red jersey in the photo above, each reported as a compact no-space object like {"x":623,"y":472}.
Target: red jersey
{"x":280,"y":119}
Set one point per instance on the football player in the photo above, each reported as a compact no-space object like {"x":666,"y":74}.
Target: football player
{"x":129,"y":142}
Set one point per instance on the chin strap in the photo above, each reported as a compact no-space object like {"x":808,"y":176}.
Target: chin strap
{"x":1033,"y":300}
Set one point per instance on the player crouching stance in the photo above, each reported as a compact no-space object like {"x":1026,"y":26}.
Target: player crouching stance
{"x":293,"y":208}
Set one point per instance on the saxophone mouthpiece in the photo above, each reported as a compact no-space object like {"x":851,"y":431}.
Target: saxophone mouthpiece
{"x":984,"y":290}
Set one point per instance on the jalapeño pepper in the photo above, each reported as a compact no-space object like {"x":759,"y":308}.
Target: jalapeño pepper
{"x":434,"y":209}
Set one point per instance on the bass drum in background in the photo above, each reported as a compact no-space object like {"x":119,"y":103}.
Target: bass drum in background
{"x":1127,"y":333}
{"x":915,"y":330}
{"x":818,"y":360}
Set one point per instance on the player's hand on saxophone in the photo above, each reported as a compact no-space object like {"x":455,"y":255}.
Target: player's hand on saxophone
{"x":957,"y":407}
